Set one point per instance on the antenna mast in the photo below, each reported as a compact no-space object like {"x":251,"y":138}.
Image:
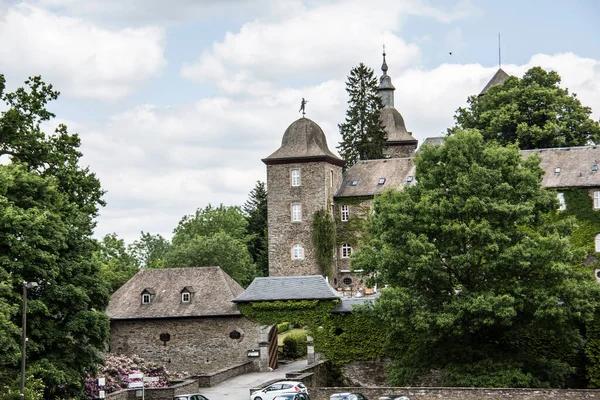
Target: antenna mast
{"x":499,"y":54}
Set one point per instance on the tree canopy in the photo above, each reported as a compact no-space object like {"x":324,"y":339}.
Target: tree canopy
{"x":534,"y":112}
{"x":363,"y":136}
{"x":482,"y":284}
{"x":48,"y":205}
{"x":255,"y":211}
{"x":213,"y":236}
{"x":116,"y":263}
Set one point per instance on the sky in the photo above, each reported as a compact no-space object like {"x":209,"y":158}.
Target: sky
{"x":176,"y":102}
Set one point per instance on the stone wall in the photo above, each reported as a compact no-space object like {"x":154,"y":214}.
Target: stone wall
{"x":196,"y":345}
{"x":315,"y":193}
{"x":365,"y":373}
{"x":214,"y":378}
{"x":400,"y":151}
{"x":188,"y":386}
{"x":323,"y":393}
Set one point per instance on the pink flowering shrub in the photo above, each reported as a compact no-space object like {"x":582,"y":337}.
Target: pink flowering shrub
{"x":116,"y":370}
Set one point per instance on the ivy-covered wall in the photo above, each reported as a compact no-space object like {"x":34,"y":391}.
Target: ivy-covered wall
{"x":579,"y":203}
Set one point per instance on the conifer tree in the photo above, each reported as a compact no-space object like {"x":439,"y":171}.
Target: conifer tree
{"x":363,"y":137}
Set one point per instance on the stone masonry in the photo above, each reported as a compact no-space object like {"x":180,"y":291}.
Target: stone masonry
{"x":196,"y":345}
{"x":314,"y":194}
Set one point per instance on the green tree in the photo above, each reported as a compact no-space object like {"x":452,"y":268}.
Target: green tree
{"x":149,"y":250}
{"x":481,"y":283}
{"x":255,"y":211}
{"x":363,"y":136}
{"x":213,"y":236}
{"x":534,"y":112}
{"x":116,"y":264}
{"x":48,"y":205}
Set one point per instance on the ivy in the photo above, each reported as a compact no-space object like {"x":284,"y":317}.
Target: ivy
{"x":310,"y":313}
{"x":580,"y":205}
{"x":324,"y":240}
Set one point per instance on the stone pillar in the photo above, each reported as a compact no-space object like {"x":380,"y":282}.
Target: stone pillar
{"x":310,"y":350}
{"x":263,"y":346}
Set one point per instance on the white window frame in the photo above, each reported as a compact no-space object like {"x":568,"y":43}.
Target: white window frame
{"x":298,"y":251}
{"x":186,"y":297}
{"x":344,"y":212}
{"x":561,"y":200}
{"x":346,"y":251}
{"x":146,"y":298}
{"x":597,"y":243}
{"x":296,"y":212}
{"x":596,"y":199}
{"x":296,"y":177}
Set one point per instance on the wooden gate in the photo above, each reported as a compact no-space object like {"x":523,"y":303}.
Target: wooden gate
{"x":273,"y":346}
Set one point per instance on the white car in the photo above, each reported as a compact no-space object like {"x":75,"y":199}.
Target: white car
{"x":278,"y":388}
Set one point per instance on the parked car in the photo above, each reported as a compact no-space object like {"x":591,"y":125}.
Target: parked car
{"x":394,"y":397}
{"x":278,"y":388}
{"x":292,"y":396}
{"x":347,"y":396}
{"x":194,"y":396}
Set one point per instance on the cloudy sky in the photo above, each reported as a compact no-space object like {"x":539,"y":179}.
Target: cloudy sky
{"x":177,"y":101}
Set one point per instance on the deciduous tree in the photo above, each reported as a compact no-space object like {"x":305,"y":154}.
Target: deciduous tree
{"x":363,"y":136}
{"x":481,"y":283}
{"x":534,"y":112}
{"x":48,"y":205}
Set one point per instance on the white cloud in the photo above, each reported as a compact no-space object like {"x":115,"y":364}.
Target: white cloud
{"x":302,"y":42}
{"x":83,"y":59}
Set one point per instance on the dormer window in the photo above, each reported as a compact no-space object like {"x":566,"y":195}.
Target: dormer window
{"x":595,"y":168}
{"x":409,"y":179}
{"x":381,"y":181}
{"x":354,"y":182}
{"x":186,"y":294}
{"x":147,"y":295}
{"x":186,"y":297}
{"x":557,"y":170}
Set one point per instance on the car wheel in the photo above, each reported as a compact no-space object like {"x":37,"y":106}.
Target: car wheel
{"x":258,"y":398}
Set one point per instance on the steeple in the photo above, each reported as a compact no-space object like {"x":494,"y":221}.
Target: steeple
{"x":386,"y":89}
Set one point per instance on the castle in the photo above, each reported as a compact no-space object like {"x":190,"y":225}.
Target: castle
{"x":305,"y":177}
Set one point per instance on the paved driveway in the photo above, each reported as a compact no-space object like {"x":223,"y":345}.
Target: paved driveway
{"x":238,"y":388}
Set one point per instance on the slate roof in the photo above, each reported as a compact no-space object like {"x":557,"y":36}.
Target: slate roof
{"x":575,"y":165}
{"x":213,"y":292}
{"x":394,"y":126}
{"x":303,"y":140}
{"x":273,"y":288}
{"x":433,"y":141}
{"x":368,"y":173}
{"x":348,"y":303}
{"x":499,"y":77}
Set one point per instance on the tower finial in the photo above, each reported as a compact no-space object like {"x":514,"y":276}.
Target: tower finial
{"x":384,"y":66}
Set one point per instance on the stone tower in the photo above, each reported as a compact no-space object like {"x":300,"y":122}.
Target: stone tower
{"x":302,"y":178}
{"x":400,"y":142}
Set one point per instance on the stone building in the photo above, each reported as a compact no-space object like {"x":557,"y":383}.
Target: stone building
{"x":304,"y":176}
{"x":183,"y":318}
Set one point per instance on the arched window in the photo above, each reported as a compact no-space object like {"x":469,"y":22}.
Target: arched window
{"x":598,"y":243}
{"x":297,"y":252}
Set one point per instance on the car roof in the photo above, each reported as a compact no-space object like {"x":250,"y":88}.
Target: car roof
{"x":278,"y":382}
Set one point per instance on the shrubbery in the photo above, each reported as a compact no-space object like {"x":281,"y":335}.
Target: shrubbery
{"x":294,"y":346}
{"x":283,"y":327}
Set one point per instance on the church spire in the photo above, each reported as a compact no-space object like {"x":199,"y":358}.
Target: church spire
{"x":386,"y":89}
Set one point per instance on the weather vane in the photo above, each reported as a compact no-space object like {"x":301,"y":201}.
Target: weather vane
{"x":303,"y":107}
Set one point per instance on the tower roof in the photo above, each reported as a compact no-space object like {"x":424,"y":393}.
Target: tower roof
{"x":394,"y":126}
{"x":499,"y":77}
{"x":303,"y":141}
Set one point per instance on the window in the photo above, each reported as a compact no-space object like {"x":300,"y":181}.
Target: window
{"x":296,"y":212}
{"x":409,"y":179}
{"x":354,"y":182}
{"x":297,"y":252}
{"x":345,"y":213}
{"x":381,"y":181}
{"x":598,"y":243}
{"x":296,"y":177}
{"x":595,"y":168}
{"x":597,"y":199}
{"x":346,"y":250}
{"x":330,"y":178}
{"x":235,"y":335}
{"x":561,"y":201}
{"x":146,"y":298}
{"x":557,"y":170}
{"x":185,"y":297}
{"x":347,"y":281}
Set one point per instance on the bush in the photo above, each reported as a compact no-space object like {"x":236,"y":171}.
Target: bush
{"x":294,"y":346}
{"x":283,"y":327}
